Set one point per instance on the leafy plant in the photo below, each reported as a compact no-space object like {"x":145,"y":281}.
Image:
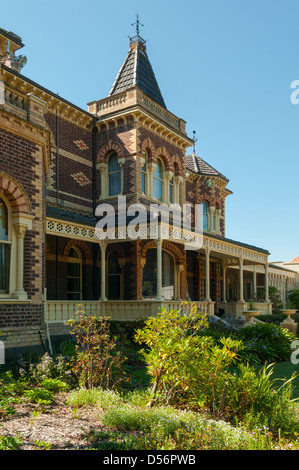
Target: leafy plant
{"x":10,"y":443}
{"x":170,"y":338}
{"x":40,"y":396}
{"x":99,"y":358}
{"x":54,"y":385}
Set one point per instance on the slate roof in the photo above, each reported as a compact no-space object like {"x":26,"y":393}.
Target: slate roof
{"x":199,"y":166}
{"x":137,"y":71}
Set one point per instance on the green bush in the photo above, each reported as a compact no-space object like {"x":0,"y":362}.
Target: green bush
{"x":270,"y":343}
{"x":38,"y":395}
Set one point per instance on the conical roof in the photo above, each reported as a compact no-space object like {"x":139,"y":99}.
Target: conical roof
{"x":137,"y":71}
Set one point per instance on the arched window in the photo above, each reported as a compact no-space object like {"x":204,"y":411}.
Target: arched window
{"x":74,"y":275}
{"x":114,"y":175}
{"x":114,"y":274}
{"x":158,"y":180}
{"x":204,"y":208}
{"x":4,"y":248}
{"x":143,"y":178}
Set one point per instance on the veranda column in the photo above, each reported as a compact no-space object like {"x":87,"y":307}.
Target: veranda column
{"x":254,"y":282}
{"x":19,"y":293}
{"x":224,"y":269}
{"x":159,"y":269}
{"x":266,"y":282}
{"x":103,"y":271}
{"x":241,"y":293}
{"x":207,"y":293}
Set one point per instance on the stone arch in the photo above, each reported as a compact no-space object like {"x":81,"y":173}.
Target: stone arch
{"x":178,"y":165}
{"x":15,"y":194}
{"x":174,"y":250}
{"x":115,"y":247}
{"x":165,"y":156}
{"x":167,"y":246}
{"x":107,"y":148}
{"x":81,"y":245}
{"x":147,"y":147}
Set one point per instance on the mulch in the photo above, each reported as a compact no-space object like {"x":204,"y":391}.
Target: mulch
{"x":57,"y":424}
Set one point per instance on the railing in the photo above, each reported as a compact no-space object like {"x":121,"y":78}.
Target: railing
{"x":236,"y":308}
{"x":60,"y":311}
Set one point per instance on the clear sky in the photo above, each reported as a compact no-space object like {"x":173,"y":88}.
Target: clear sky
{"x":224,"y":66}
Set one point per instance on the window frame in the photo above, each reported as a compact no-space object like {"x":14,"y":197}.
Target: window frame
{"x":160,"y":165}
{"x":75,"y":260}
{"x":7,"y":243}
{"x":117,"y":172}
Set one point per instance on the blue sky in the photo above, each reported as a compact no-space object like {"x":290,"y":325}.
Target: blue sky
{"x":225,"y":67}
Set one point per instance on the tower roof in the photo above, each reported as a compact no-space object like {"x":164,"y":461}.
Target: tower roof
{"x":137,"y":71}
{"x":200,"y":166}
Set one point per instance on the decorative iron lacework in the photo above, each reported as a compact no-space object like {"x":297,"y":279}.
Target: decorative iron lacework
{"x":167,"y":233}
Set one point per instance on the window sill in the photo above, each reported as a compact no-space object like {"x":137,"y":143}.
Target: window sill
{"x":9,"y":300}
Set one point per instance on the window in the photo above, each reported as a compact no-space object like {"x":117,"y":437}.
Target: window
{"x":114,"y":273}
{"x":4,"y":248}
{"x":74,"y":275}
{"x":158,"y":181}
{"x":114,"y":175}
{"x":171,"y":190}
{"x":204,"y":208}
{"x":143,"y":178}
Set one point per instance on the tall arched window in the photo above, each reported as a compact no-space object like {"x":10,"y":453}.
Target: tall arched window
{"x":114,"y":175}
{"x":158,"y":180}
{"x":114,"y":274}
{"x":4,"y":248}
{"x":74,"y":275}
{"x":204,"y":208}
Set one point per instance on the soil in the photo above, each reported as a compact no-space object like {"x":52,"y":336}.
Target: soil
{"x":58,"y":425}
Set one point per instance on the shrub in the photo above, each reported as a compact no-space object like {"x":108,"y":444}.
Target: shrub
{"x":99,"y":357}
{"x":170,"y":340}
{"x":184,"y":365}
{"x":270,"y":343}
{"x":254,"y":397}
{"x":46,"y":367}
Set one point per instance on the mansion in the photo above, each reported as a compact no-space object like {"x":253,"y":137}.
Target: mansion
{"x":59,"y":163}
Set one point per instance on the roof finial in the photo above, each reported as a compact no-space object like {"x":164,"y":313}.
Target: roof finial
{"x":137,"y":25}
{"x":194,"y":141}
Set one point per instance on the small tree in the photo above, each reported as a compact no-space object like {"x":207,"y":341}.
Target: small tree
{"x":99,"y":360}
{"x":169,"y":338}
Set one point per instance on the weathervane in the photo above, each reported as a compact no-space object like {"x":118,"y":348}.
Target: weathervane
{"x":194,"y":141}
{"x":137,"y":25}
